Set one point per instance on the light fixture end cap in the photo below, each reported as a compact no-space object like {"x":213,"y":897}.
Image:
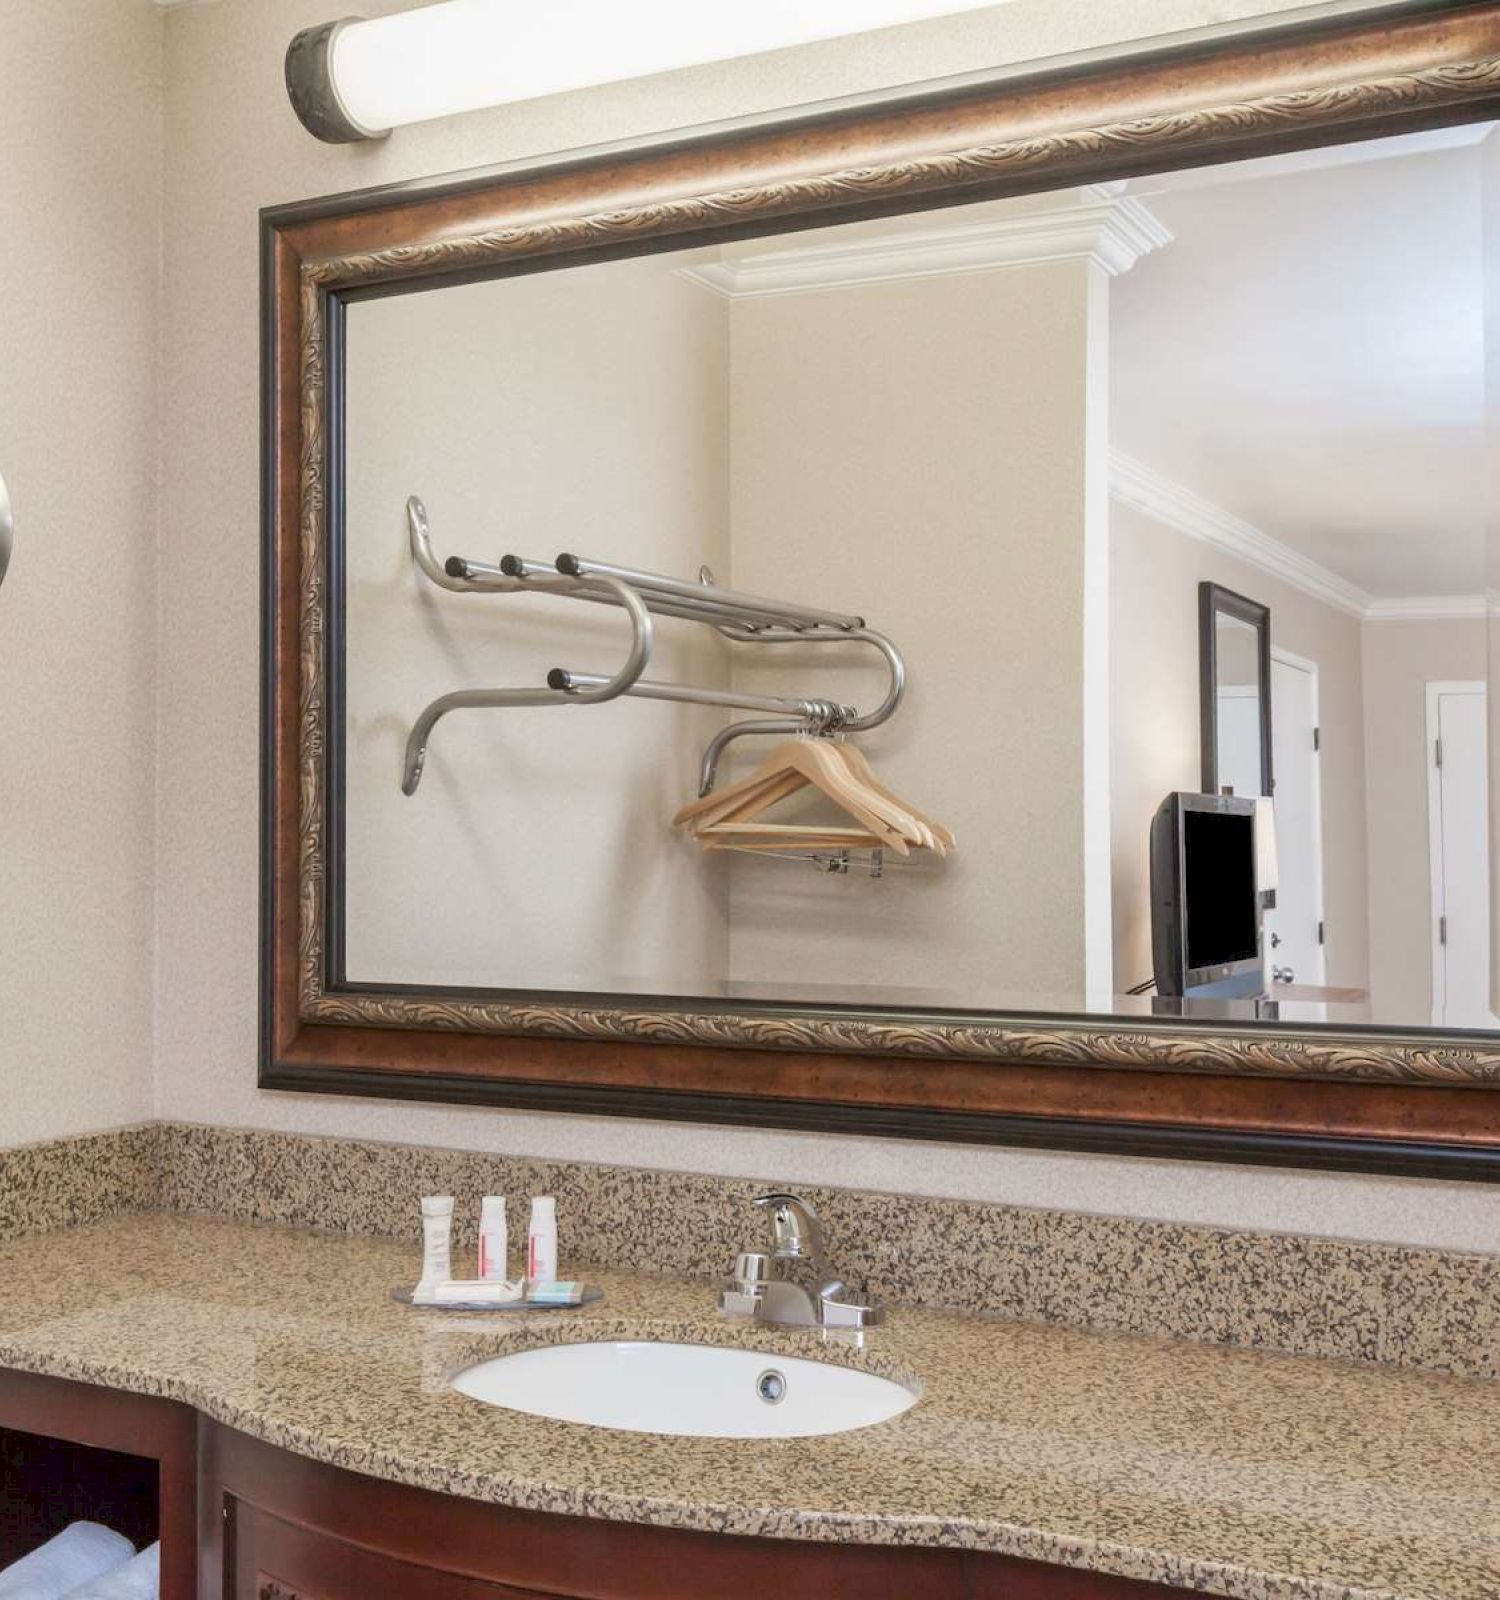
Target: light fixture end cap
{"x":311,"y":88}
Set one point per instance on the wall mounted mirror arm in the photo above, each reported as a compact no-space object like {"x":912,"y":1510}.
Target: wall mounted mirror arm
{"x":7,"y":530}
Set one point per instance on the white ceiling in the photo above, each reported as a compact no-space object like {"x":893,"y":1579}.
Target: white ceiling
{"x":1308,"y":355}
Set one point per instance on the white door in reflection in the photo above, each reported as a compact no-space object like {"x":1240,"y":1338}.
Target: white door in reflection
{"x":1239,"y":739}
{"x":1459,"y":837}
{"x":1294,"y":927}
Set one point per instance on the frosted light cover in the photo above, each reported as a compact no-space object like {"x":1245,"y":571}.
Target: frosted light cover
{"x":466,"y":54}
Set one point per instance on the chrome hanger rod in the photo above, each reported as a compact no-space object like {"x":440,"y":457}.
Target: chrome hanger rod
{"x":817,"y":713}
{"x":775,"y":612}
{"x":738,"y":617}
{"x":491,"y":699}
{"x":705,"y":602}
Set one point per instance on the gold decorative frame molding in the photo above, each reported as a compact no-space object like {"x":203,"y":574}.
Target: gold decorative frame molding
{"x":1418,"y":67}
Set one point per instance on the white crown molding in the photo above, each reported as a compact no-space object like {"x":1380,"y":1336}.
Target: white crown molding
{"x":1112,"y":230}
{"x":1428,"y":608}
{"x":1133,"y":483}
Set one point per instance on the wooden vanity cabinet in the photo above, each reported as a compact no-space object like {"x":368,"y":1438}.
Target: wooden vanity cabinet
{"x":73,"y":1451}
{"x":278,"y":1527}
{"x":241,"y":1520}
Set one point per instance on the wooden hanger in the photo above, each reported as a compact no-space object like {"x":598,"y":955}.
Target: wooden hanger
{"x":859,"y":762}
{"x":783,"y":836}
{"x":792,"y":765}
{"x":729,"y":818}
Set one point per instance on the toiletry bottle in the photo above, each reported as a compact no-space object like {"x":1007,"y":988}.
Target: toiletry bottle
{"x":541,"y":1240}
{"x":437,"y":1232}
{"x":494,"y":1244}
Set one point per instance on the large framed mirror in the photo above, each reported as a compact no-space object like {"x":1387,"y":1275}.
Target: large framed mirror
{"x":736,"y":615}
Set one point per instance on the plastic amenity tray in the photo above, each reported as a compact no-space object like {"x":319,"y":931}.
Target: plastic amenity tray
{"x":591,"y":1296}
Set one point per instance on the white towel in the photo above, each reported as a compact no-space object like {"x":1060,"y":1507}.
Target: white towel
{"x":136,"y":1580}
{"x":79,"y":1553}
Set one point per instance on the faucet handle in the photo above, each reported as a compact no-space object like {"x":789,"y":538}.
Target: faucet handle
{"x":751,"y":1269}
{"x":741,"y":1296}
{"x":795,"y":1229}
{"x":842,"y":1306}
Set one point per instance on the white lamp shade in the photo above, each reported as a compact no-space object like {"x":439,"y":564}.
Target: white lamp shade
{"x":1266,"y":872}
{"x":466,"y":54}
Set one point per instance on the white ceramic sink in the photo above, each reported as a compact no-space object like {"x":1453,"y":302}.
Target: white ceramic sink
{"x":696,"y":1390}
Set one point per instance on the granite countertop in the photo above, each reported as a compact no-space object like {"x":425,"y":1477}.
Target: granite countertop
{"x":1233,"y":1472}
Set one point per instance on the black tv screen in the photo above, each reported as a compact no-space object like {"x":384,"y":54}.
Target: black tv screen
{"x":1219,"y":884}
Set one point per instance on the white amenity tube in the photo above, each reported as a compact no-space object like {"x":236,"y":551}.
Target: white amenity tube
{"x":466,"y":54}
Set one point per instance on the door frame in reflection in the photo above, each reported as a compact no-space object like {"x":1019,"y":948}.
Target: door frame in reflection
{"x":1317,"y":974}
{"x":1437,"y":842}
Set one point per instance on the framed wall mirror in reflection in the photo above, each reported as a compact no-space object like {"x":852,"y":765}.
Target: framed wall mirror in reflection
{"x":1234,"y":700}
{"x":798,"y":625}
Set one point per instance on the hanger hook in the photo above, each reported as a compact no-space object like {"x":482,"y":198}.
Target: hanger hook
{"x":848,"y":717}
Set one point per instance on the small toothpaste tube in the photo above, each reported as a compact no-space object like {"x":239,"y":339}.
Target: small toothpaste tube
{"x":437,"y":1235}
{"x":494,"y":1244}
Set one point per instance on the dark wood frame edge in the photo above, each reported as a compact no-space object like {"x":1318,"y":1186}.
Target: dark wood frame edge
{"x":1408,"y":1158}
{"x":590,"y":1069}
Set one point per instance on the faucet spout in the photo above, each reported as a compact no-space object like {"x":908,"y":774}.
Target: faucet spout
{"x":796,"y":1233}
{"x":790,"y":1284}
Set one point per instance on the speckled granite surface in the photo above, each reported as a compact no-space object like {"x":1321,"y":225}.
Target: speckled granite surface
{"x":78,"y":1180}
{"x":1231,"y":1472}
{"x":1391,"y":1304}
{"x":1322,"y":1297}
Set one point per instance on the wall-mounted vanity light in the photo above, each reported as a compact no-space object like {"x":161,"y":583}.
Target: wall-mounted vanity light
{"x":355,"y":79}
{"x":7,"y":530}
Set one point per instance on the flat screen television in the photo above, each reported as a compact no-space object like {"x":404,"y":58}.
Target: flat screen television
{"x":1205,"y":912}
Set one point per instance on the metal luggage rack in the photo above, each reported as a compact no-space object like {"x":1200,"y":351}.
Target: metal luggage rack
{"x":743,"y":618}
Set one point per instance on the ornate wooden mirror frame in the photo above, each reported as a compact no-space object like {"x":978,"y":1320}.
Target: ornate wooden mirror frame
{"x":1411,"y":1102}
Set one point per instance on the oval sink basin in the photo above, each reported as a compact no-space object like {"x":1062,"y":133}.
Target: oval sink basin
{"x":694,"y":1390}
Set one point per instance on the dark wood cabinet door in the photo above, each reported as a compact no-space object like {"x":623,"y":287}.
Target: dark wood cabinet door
{"x":279,"y":1527}
{"x":276,"y":1560}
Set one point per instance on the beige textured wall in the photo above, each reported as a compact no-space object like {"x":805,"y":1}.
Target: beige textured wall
{"x":915,"y":452}
{"x":552,"y":412}
{"x":1400,"y":660}
{"x":80,"y":207}
{"x":235,"y":147}
{"x":1155,"y":737}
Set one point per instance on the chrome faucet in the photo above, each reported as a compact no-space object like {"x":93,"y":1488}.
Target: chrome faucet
{"x":790,"y":1284}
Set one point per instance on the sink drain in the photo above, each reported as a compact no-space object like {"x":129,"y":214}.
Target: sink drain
{"x":771,"y":1386}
